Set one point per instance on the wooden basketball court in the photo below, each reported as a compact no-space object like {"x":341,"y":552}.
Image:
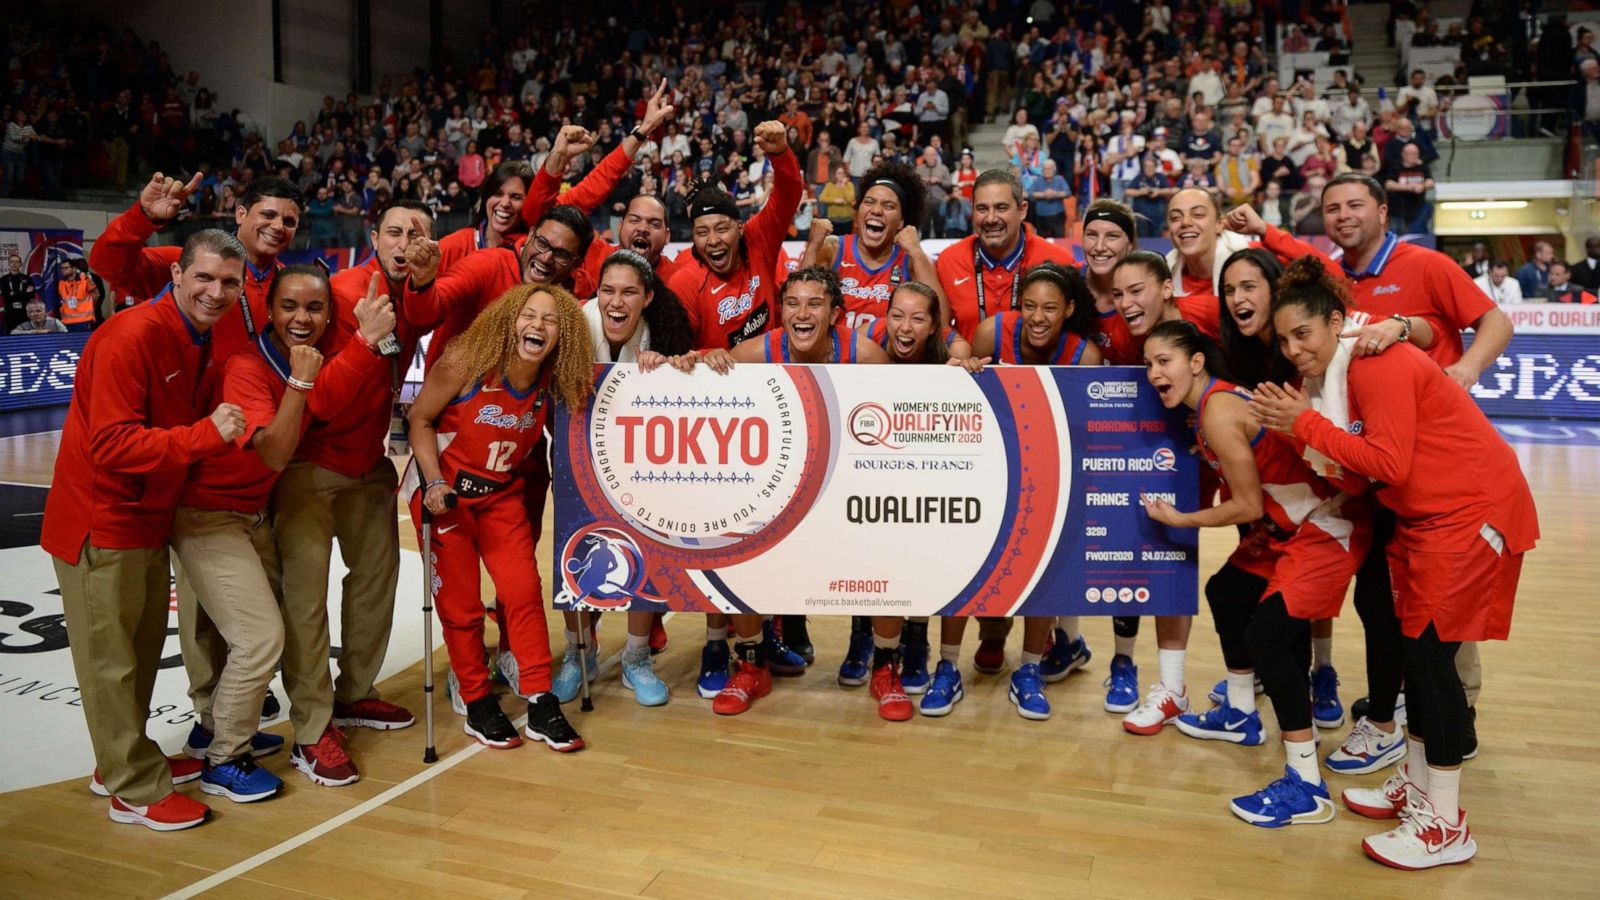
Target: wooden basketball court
{"x":810,"y":794}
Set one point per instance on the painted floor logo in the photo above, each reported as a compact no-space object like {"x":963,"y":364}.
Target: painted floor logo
{"x":45,"y":739}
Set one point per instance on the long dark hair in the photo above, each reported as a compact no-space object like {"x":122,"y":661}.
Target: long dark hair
{"x":1185,"y":336}
{"x":1249,"y":360}
{"x":934,"y":350}
{"x":1073,"y":288}
{"x":670,"y":331}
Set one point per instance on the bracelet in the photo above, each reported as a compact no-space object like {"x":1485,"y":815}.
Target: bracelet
{"x":638,"y":135}
{"x":430,"y":485}
{"x":1405,"y":327}
{"x":297,"y":384}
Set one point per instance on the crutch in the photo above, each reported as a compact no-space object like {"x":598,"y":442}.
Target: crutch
{"x":429,"y":755}
{"x":587,"y":705}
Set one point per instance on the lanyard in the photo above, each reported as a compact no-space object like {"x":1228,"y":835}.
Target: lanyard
{"x":244,"y":301}
{"x":1016,"y":283}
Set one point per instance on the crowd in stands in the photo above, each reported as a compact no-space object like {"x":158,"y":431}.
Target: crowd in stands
{"x":1129,"y":100}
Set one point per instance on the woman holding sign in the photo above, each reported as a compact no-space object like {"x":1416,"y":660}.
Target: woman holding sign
{"x":811,"y":310}
{"x":479,"y":415}
{"x":1052,"y":327}
{"x":1464,"y":517}
{"x":1304,"y":542}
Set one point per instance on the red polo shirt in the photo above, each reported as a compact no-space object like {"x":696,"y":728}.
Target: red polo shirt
{"x":957,"y":266}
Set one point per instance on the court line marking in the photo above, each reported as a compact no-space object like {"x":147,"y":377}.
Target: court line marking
{"x":219,"y":878}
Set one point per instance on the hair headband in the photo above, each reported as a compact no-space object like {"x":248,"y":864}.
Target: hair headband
{"x":1115,"y":216}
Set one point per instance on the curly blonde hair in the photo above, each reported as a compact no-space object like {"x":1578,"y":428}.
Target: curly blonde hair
{"x":490,"y":345}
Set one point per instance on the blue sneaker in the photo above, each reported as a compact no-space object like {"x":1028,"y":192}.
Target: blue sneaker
{"x":1367,"y":749}
{"x":914,"y":668}
{"x":780,"y":659}
{"x":1027,"y":692}
{"x":1220,"y":692}
{"x":714,"y":661}
{"x":1287,"y":801}
{"x":1223,"y":723}
{"x":1326,"y":710}
{"x":1064,"y":657}
{"x":944,"y":691}
{"x":639,"y":674}
{"x":857,"y":663}
{"x":240,"y":780}
{"x":1122,"y":685}
{"x":261,"y":743}
{"x":568,"y":682}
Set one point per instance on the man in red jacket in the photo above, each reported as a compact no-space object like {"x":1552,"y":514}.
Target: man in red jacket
{"x":342,"y":484}
{"x":268,"y":215}
{"x":133,"y":425}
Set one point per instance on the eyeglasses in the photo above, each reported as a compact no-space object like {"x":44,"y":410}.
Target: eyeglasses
{"x":556,"y":254}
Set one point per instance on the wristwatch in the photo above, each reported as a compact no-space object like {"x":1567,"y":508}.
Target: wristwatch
{"x":1405,"y":327}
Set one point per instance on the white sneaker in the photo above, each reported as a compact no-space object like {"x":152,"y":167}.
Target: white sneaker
{"x":1384,"y":802}
{"x":1160,"y":707}
{"x":1422,"y":840}
{"x":452,"y":687}
{"x":1367,"y":749}
{"x":508,"y":667}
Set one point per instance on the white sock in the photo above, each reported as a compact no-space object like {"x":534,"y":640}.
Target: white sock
{"x":1124,"y":645}
{"x":1068,"y":624}
{"x":1444,"y":791}
{"x":1302,"y":758}
{"x":1321,"y":652}
{"x":1033,"y":658}
{"x":716,"y":634}
{"x":1417,"y":764}
{"x":534,"y":696}
{"x":885,"y":643}
{"x":1242,"y":691}
{"x":1171,"y":662}
{"x":950,"y":653}
{"x":572,"y":638}
{"x":635,"y":641}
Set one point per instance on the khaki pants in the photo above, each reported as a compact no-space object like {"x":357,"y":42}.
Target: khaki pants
{"x":229,"y":621}
{"x":310,"y":507}
{"x":1469,"y":668}
{"x":116,"y":604}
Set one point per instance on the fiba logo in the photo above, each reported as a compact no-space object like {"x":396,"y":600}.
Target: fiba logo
{"x":869,"y":424}
{"x":1165,"y":460}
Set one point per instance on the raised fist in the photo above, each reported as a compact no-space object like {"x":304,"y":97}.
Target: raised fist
{"x":304,"y":362}
{"x":1243,"y":219}
{"x":908,"y":239}
{"x":770,"y":137}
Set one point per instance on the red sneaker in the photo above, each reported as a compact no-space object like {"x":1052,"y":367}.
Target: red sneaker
{"x":174,"y":812}
{"x":325,"y":762}
{"x":893,"y":704}
{"x":991,"y":656}
{"x":658,"y":634}
{"x":183,"y":770}
{"x":372,"y":713}
{"x":749,"y":683}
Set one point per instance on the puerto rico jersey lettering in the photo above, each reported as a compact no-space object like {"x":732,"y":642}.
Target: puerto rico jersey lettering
{"x":867,"y":290}
{"x":490,"y":432}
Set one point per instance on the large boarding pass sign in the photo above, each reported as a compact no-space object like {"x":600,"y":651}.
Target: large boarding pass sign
{"x":873,"y":490}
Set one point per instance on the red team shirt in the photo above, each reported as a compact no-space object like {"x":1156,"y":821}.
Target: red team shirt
{"x":957,"y":267}
{"x":1310,"y":540}
{"x":867,"y":290}
{"x":1008,"y":343}
{"x":726,"y":311}
{"x":490,"y":432}
{"x":136,"y":423}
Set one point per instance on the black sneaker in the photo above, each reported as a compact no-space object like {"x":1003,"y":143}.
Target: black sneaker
{"x":1469,"y":747}
{"x":270,"y":707}
{"x":798,"y":637}
{"x":546,"y":723}
{"x":487,"y":722}
{"x":1358,"y":709}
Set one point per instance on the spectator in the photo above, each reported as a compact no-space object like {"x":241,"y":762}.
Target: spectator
{"x":936,"y":178}
{"x":1585,"y":102}
{"x":1202,"y":143}
{"x":1168,"y":162}
{"x":1499,"y":285}
{"x":1477,"y":263}
{"x":1028,"y":158}
{"x":797,"y":118}
{"x":1307,"y":207}
{"x":933,"y":109}
{"x":1562,"y":288}
{"x":1238,"y":177}
{"x":1198,"y":176}
{"x":1276,"y":207}
{"x":38,"y":322}
{"x":17,"y":288}
{"x":1148,"y":194}
{"x":1047,"y":193}
{"x":1273,"y":124}
{"x":1534,"y":276}
{"x":1358,"y":145}
{"x":822,"y":160}
{"x":13,"y":154}
{"x":1418,"y":102}
{"x":1408,"y":186}
{"x":1277,"y":166}
{"x":1089,"y":177}
{"x":1324,"y":160}
{"x":1303,"y":140}
{"x":838,"y":198}
{"x":1123,"y":151}
{"x":1587,"y":273}
{"x":1349,"y":113}
{"x":1017,"y":132}
{"x":858,"y":153}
